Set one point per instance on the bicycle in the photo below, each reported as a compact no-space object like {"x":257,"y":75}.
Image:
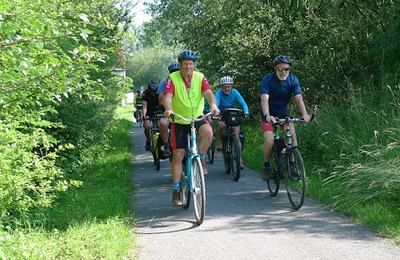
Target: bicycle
{"x":231,"y":145}
{"x":155,"y":139}
{"x":192,"y":179}
{"x":287,"y":163}
{"x":139,"y":114}
{"x":211,"y":149}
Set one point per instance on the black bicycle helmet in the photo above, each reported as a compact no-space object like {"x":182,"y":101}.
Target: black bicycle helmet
{"x":190,"y":55}
{"x":282,"y":59}
{"x":173,"y":67}
{"x":151,"y":83}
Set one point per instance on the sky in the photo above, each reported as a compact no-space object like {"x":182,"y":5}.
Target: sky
{"x":140,"y":16}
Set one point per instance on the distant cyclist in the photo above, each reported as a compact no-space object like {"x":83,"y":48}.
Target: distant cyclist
{"x":150,"y":105}
{"x":163,"y":122}
{"x":138,"y":104}
{"x":277,"y":89}
{"x":229,"y":97}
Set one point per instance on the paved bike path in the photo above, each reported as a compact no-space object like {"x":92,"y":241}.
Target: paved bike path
{"x":242,"y":220}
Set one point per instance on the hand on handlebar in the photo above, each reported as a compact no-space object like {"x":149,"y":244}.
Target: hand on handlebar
{"x":168,"y":113}
{"x":270,"y":119}
{"x":307,"y":118}
{"x":215,"y":111}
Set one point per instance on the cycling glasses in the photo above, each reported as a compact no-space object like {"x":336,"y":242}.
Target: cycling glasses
{"x":283,"y":69}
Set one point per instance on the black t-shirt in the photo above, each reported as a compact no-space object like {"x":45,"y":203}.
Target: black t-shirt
{"x":151,"y":97}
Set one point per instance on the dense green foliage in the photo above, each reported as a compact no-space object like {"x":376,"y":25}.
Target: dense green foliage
{"x":57,"y":94}
{"x":328,"y":40}
{"x":93,"y":221}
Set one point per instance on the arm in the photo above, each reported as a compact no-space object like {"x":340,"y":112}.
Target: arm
{"x":211,"y":100}
{"x":242,"y":103}
{"x":301,"y":107}
{"x":265,"y":108}
{"x":167,"y":104}
{"x":144,"y":108}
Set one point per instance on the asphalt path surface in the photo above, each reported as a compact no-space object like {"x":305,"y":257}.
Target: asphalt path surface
{"x":242,"y":220}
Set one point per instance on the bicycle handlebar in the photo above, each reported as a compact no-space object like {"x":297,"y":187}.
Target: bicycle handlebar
{"x":288,"y":120}
{"x":156,"y":115}
{"x":190,"y":119}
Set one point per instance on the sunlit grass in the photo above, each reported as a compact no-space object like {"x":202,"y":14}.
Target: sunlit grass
{"x":93,"y":221}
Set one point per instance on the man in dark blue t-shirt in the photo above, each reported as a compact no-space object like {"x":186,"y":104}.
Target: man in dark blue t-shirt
{"x":277,"y":89}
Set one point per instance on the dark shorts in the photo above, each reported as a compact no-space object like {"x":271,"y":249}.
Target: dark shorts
{"x":179,"y":134}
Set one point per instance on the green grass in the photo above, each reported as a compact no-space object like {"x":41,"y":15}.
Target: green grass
{"x":93,"y":221}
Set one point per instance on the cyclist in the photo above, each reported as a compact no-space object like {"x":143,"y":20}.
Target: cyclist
{"x":138,"y":102}
{"x":150,"y":105}
{"x":276,"y":90}
{"x":228,"y":97}
{"x":183,"y":94}
{"x":163,"y":122}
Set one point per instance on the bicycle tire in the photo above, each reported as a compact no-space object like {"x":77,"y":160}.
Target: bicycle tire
{"x":185,"y":191}
{"x":274,"y":183}
{"x":198,"y":190}
{"x":211,"y":152}
{"x":140,"y":116}
{"x":156,"y":158}
{"x":296,"y":182}
{"x":226,"y":156}
{"x":235,"y":155}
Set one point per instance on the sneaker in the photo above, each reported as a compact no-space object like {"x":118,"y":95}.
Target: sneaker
{"x":147,"y":148}
{"x":176,"y":198}
{"x":203,"y":163}
{"x":267,"y":173}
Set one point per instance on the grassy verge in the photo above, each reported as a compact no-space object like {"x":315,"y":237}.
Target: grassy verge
{"x":352,"y":163}
{"x":93,"y":221}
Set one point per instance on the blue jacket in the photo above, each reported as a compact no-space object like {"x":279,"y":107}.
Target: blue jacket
{"x":230,"y":101}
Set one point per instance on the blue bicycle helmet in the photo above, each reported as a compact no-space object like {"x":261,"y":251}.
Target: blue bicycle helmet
{"x":187,"y":55}
{"x":173,"y":67}
{"x":281,"y":59}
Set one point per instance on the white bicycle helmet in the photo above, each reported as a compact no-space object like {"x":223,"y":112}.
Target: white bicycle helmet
{"x":226,"y":80}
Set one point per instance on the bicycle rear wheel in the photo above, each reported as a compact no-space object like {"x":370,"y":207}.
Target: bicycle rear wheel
{"x":274,"y":183}
{"x":296,"y":179}
{"x":198,"y":190}
{"x":235,"y":158}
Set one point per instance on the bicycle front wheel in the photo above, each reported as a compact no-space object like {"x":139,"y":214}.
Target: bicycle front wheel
{"x":185,"y":192}
{"x":296,"y":179}
{"x":198,"y":190}
{"x":274,"y":182}
{"x":235,"y":158}
{"x":226,"y":156}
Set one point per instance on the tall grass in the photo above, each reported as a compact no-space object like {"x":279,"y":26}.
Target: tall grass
{"x":352,"y":157}
{"x":92,"y":221}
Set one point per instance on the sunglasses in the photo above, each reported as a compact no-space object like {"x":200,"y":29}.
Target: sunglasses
{"x":283,"y":69}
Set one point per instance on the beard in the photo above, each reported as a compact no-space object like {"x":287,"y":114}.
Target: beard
{"x":282,"y":78}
